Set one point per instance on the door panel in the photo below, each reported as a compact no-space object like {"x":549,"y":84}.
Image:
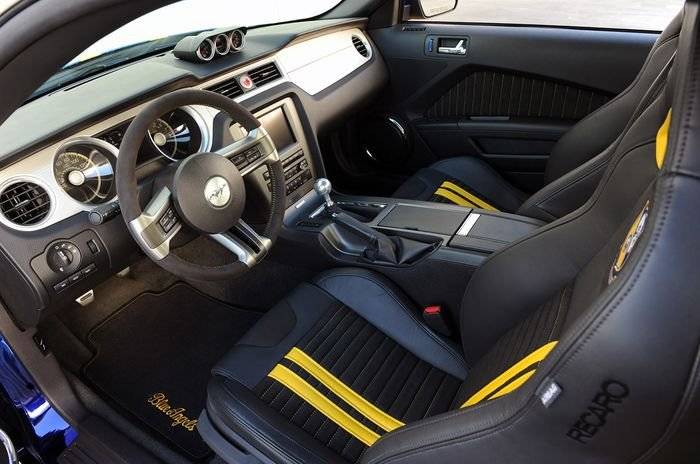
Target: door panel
{"x":510,"y":97}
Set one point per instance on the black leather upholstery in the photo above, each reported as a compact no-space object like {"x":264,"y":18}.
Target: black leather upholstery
{"x":577,"y":161}
{"x":359,"y":326}
{"x":621,"y":385}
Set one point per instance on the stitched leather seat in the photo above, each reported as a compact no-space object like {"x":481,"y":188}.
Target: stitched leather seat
{"x":575,"y":165}
{"x":578,"y":343}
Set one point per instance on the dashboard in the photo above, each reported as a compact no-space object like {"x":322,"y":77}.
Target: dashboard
{"x":58,"y":235}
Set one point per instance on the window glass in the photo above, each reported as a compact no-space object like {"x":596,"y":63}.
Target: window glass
{"x":650,"y":15}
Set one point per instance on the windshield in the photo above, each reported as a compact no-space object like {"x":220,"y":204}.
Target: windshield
{"x":161,"y":29}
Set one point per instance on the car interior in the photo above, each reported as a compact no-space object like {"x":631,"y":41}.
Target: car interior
{"x":368,"y":236}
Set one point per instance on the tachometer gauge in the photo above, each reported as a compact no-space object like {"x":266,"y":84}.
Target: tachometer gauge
{"x":84,"y":170}
{"x":164,"y":138}
{"x":176,"y":135}
{"x":237,"y":40}
{"x":222,"y":44}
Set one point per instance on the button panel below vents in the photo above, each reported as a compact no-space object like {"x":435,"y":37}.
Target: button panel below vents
{"x":229,"y":88}
{"x":360,"y":46}
{"x":25,"y":203}
{"x":264,"y":74}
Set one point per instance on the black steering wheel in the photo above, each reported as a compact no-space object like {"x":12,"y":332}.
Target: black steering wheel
{"x":205,"y":192}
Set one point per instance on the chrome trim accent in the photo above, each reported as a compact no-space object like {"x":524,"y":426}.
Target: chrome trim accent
{"x":468,"y":224}
{"x":237,"y":49}
{"x":83,"y":140}
{"x":228,"y":44}
{"x":213,"y":50}
{"x":245,"y":255}
{"x":204,"y":130}
{"x":155,"y":244}
{"x":53,"y":208}
{"x":258,"y":136}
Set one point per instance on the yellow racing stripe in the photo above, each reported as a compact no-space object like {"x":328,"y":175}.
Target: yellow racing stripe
{"x":468,"y":196}
{"x":662,"y":140}
{"x":312,"y":396}
{"x":453,"y":197}
{"x":364,"y":407}
{"x":514,"y":385}
{"x":534,"y":357}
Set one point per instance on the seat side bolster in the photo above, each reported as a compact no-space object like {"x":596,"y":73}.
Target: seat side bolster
{"x":254,"y":356}
{"x":567,"y":193}
{"x":232,"y":406}
{"x":383,"y":305}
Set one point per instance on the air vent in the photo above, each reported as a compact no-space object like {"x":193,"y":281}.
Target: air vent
{"x":360,"y":46}
{"x":25,"y":203}
{"x":264,"y":74}
{"x":230,"y":88}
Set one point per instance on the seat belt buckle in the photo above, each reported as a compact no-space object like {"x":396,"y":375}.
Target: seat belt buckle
{"x":436,"y":320}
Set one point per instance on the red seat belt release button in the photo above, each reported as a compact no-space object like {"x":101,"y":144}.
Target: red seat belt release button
{"x":433,"y":318}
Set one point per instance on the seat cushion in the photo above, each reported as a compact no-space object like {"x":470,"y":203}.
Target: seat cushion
{"x":466,"y":181}
{"x":353,"y":339}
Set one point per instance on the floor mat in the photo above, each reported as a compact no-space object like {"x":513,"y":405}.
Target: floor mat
{"x":154,"y":356}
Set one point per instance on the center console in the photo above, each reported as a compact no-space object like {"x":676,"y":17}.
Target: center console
{"x":457,"y":241}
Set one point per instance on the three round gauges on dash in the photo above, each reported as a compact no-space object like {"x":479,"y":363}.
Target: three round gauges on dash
{"x":221,"y":44}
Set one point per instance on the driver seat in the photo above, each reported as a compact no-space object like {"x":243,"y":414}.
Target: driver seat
{"x":579,"y":343}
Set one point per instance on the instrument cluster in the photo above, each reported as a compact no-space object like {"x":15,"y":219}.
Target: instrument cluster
{"x":84,"y":167}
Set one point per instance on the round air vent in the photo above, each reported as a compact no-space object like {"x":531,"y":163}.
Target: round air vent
{"x":25,"y":203}
{"x":360,"y":46}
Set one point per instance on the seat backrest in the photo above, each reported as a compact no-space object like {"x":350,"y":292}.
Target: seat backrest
{"x":598,"y":311}
{"x":593,"y":134}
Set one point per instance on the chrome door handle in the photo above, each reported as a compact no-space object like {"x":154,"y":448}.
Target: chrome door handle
{"x":459,"y":49}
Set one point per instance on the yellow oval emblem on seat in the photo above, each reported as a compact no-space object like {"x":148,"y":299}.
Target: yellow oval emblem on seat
{"x":633,"y":235}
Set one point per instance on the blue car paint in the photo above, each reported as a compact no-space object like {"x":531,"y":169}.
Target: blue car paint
{"x":47,"y":434}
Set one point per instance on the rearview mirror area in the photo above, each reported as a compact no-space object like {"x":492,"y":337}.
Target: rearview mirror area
{"x":430,"y":8}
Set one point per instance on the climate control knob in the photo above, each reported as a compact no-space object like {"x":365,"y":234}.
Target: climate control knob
{"x":63,"y":257}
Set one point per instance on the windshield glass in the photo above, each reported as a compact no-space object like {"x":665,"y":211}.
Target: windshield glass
{"x":161,"y":29}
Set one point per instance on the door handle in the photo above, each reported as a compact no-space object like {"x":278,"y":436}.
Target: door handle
{"x":459,"y":49}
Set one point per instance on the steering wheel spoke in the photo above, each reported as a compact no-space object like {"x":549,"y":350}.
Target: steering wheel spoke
{"x":245,"y":243}
{"x":157,"y":225}
{"x":251,"y":152}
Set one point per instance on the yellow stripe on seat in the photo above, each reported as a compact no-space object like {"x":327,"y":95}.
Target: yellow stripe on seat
{"x":453,"y":197}
{"x":468,"y":196}
{"x":534,"y":357}
{"x":364,"y":407}
{"x":312,"y":396}
{"x":514,"y":385}
{"x":662,"y":140}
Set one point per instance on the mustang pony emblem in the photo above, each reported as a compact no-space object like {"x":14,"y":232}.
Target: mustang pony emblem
{"x":177,"y":415}
{"x":217,"y":191}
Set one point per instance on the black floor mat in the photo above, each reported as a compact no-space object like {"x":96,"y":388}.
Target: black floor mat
{"x":154,"y":357}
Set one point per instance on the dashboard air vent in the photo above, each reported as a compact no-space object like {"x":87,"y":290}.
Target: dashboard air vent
{"x":360,"y":46}
{"x":229,"y":88}
{"x":264,"y":74}
{"x":25,"y":203}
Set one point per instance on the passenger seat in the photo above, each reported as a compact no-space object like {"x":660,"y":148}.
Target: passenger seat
{"x":575,"y":165}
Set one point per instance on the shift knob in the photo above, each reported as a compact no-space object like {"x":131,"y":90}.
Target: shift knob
{"x":323,"y":188}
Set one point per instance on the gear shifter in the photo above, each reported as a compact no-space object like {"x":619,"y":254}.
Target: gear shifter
{"x":323,"y":188}
{"x":380,"y":247}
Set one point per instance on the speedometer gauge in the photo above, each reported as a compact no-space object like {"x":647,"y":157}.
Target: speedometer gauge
{"x":84,"y":171}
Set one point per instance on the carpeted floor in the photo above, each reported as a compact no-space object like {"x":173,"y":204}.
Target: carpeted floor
{"x":154,"y":356}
